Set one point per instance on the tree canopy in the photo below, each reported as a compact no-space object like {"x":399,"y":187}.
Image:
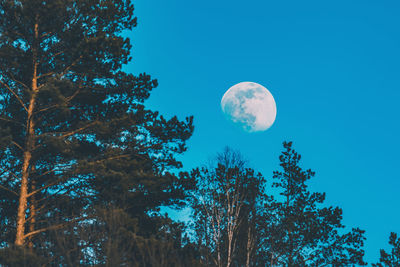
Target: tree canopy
{"x":75,"y":134}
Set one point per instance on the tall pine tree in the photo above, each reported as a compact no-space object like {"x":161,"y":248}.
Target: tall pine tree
{"x":303,"y":232}
{"x":74,"y":130}
{"x":391,"y":258}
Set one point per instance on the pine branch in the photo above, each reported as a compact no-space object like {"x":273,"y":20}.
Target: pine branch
{"x":38,"y":210}
{"x":66,"y":189}
{"x":10,"y":172}
{"x":47,"y":172}
{"x":67,"y":134}
{"x":54,"y":227}
{"x":42,"y":188}
{"x":68,"y":99}
{"x":16,"y":96}
{"x":19,"y":82}
{"x":13,"y":121}
{"x":62,"y":74}
{"x":110,"y":158}
{"x":79,"y":129}
{"x":9,"y":190}
{"x":17,"y":145}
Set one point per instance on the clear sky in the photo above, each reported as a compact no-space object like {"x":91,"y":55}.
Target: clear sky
{"x":333,"y":68}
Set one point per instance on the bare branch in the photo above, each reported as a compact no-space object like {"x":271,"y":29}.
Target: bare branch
{"x":16,"y":96}
{"x":54,"y":227}
{"x":46,"y":74}
{"x":12,"y":121}
{"x":47,"y":172}
{"x":10,"y":172}
{"x":45,"y":34}
{"x":78,"y":130}
{"x":42,"y":188}
{"x":47,"y":108}
{"x":68,"y":99}
{"x":17,"y":145}
{"x":110,"y":158}
{"x":67,"y":134}
{"x":9,"y":190}
{"x":64,"y":71}
{"x":18,"y":81}
{"x":38,"y":210}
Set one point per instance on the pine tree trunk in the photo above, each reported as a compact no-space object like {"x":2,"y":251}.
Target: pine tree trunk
{"x":32,"y":211}
{"x":248,"y":246}
{"x":272,"y":260}
{"x":27,"y":156}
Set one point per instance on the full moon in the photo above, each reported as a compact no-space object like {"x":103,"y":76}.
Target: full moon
{"x":250,"y":105}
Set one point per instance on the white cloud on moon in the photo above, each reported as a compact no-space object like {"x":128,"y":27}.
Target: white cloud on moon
{"x":251,"y":105}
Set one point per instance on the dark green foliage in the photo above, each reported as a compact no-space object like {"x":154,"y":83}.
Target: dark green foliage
{"x":303,"y":233}
{"x":116,"y":239}
{"x":124,"y":243}
{"x":391,"y":259}
{"x":93,"y":144}
{"x":19,"y":257}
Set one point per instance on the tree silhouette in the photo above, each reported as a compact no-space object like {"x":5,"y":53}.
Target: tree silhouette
{"x":391,"y":259}
{"x":75,"y":134}
{"x":304,"y":234}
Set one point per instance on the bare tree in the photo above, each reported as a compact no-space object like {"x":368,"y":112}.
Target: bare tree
{"x":219,"y":207}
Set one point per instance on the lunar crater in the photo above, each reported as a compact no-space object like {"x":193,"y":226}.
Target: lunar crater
{"x":250,"y":105}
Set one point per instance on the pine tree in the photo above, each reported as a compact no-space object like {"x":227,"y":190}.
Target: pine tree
{"x":303,"y":233}
{"x":391,"y":259}
{"x":74,"y":131}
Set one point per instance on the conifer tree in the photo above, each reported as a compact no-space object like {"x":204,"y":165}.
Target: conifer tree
{"x":303,"y":233}
{"x":391,"y":259}
{"x":74,"y":130}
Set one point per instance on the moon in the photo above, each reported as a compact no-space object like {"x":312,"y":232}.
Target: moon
{"x":250,"y":105}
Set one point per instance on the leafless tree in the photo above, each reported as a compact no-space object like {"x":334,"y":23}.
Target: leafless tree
{"x":219,"y":201}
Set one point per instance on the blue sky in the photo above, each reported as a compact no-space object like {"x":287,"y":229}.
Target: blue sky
{"x":333,"y":68}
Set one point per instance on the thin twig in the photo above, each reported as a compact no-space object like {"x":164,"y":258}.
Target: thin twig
{"x":19,"y":99}
{"x":9,"y":190}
